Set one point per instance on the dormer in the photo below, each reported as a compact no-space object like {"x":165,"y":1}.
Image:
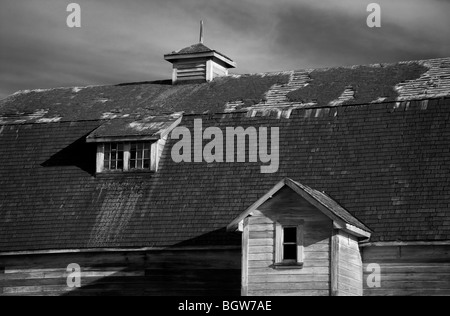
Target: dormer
{"x":199,"y":63}
{"x":132,"y":145}
{"x":299,"y":241}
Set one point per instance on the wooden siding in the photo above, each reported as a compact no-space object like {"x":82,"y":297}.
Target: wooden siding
{"x":287,"y":207}
{"x":409,"y":270}
{"x":218,"y":70}
{"x":208,"y":272}
{"x":191,"y":70}
{"x":2,"y":272}
{"x":349,"y":266}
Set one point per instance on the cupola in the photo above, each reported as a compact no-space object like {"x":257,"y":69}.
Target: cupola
{"x":198,"y":62}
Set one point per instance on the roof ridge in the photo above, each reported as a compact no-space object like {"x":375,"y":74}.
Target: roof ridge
{"x":381,"y":64}
{"x":270,"y":73}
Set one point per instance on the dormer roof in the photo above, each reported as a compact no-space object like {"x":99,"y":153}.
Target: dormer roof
{"x":341,"y":217}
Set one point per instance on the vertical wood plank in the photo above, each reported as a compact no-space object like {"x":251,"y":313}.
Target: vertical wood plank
{"x":2,"y":271}
{"x":100,"y":157}
{"x":334,"y":264}
{"x":160,"y":149}
{"x":245,"y":247}
{"x":209,"y":70}
{"x":300,"y":247}
{"x":126,"y":156}
{"x":174,"y":73}
{"x":154,"y":156}
{"x":278,"y":243}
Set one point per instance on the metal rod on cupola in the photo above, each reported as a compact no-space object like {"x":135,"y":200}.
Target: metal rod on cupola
{"x":201,"y":31}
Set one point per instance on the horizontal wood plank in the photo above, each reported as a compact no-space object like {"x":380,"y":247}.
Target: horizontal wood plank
{"x":290,"y":286}
{"x":287,"y":278}
{"x":261,"y":234}
{"x":289,"y":292}
{"x":261,"y":242}
{"x":304,"y":270}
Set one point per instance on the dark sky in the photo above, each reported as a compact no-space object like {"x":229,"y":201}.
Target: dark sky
{"x":124,"y":41}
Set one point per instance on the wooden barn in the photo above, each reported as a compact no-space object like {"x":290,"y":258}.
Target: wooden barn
{"x":92,"y":201}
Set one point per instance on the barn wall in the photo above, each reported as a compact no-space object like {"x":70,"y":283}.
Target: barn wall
{"x":314,"y":277}
{"x":212,"y":272}
{"x":409,"y":270}
{"x":349,"y":269}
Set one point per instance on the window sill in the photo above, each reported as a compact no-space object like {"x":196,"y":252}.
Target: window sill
{"x":139,"y":171}
{"x":117,"y":173}
{"x":288,"y":265}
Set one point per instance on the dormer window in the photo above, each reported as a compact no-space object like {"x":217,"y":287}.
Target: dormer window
{"x":112,"y":156}
{"x":140,"y":156}
{"x":126,"y":156}
{"x":289,"y":245}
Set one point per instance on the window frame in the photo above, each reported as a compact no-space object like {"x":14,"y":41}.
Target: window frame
{"x":279,"y":245}
{"x":139,"y":150}
{"x":153,"y":153}
{"x":115,"y":156}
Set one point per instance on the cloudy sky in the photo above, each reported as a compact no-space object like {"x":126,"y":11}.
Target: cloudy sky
{"x":124,"y":41}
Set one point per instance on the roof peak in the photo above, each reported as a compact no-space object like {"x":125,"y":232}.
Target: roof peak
{"x":323,"y":202}
{"x":195,"y":48}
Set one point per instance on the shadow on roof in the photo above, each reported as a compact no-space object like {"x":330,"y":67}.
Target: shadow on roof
{"x":216,"y":237}
{"x":160,"y":82}
{"x":79,"y":154}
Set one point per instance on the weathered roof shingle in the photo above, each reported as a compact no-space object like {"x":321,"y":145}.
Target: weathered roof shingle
{"x":386,"y":161}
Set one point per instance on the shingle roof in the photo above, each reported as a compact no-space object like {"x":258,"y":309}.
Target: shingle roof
{"x":145,"y":126}
{"x":320,"y":200}
{"x":386,"y":162}
{"x":273,"y":93}
{"x":195,"y":49}
{"x":136,"y":100}
{"x":331,"y":205}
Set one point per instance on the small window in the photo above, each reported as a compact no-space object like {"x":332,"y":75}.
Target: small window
{"x":113,"y":156}
{"x":125,"y":156}
{"x":140,"y":156}
{"x":289,"y":245}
